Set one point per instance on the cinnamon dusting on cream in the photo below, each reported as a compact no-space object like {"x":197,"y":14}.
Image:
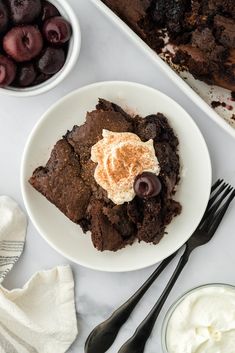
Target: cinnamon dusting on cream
{"x":121,"y":156}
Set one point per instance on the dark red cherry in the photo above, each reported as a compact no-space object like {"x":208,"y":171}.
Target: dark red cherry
{"x":24,"y":11}
{"x":23,"y":43}
{"x":26,"y":75}
{"x":51,"y":61}
{"x":4,"y":16}
{"x":147,"y":185}
{"x":49,"y":10}
{"x":57,"y":30}
{"x":7,"y":71}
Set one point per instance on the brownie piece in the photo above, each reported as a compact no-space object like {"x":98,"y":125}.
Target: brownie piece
{"x":202,"y":33}
{"x":109,"y":229}
{"x":83,"y":137}
{"x":68,"y":180}
{"x":60,"y":182}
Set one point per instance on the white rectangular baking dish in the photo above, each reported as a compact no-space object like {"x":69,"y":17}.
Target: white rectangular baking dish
{"x":198,"y":91}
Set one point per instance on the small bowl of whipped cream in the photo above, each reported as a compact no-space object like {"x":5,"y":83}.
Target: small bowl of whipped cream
{"x":201,"y":321}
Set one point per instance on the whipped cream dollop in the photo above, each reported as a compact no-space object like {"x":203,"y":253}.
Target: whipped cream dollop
{"x":121,"y":156}
{"x":204,"y":322}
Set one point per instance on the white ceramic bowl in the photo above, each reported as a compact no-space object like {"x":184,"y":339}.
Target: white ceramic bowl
{"x":193,"y":191}
{"x":73,"y":52}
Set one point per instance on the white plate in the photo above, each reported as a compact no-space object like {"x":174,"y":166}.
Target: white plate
{"x":193,"y":191}
{"x":200,"y":93}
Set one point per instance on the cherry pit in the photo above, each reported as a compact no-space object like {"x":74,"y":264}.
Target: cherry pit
{"x":34,"y":41}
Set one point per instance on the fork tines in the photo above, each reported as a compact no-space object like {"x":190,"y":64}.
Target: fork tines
{"x":219,"y":186}
{"x":221,"y":196}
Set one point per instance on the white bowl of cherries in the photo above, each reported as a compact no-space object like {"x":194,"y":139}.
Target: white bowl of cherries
{"x":40,"y":42}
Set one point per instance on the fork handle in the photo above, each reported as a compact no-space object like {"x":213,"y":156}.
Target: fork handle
{"x":103,"y":336}
{"x":136,"y":343}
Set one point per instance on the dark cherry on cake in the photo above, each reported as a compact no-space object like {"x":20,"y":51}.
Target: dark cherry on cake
{"x":147,"y":185}
{"x":34,"y":38}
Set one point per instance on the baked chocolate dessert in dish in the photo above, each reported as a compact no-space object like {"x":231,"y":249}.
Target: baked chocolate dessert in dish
{"x":115,"y":176}
{"x":202,"y":33}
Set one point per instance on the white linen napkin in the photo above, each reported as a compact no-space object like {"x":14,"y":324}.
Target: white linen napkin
{"x":40,"y":317}
{"x":13,"y":226}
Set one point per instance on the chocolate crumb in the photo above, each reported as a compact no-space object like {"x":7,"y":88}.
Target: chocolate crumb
{"x":215,"y":104}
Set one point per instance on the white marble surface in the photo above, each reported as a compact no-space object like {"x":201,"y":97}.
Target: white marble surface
{"x":107,"y":54}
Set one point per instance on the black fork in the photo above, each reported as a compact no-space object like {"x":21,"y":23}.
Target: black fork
{"x":203,"y":234}
{"x":103,"y":336}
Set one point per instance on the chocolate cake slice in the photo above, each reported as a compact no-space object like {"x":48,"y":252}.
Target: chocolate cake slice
{"x":61,"y":183}
{"x":68,"y":180}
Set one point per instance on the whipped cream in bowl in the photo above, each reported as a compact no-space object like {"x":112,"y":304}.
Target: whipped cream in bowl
{"x":202,"y":321}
